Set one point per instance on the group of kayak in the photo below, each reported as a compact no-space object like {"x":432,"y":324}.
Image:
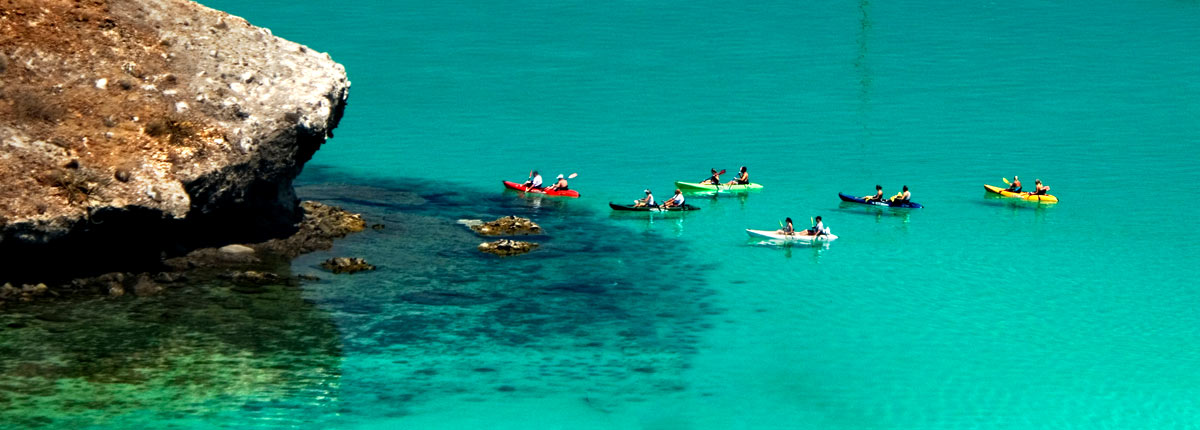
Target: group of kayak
{"x":677,"y":201}
{"x":786,"y":232}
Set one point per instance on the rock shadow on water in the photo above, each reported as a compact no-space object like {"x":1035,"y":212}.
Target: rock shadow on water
{"x":174,"y":357}
{"x":593,"y":309}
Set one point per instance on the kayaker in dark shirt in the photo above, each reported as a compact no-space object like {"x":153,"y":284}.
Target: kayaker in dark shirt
{"x":1015,"y":186}
{"x":742,"y":179}
{"x":902,"y":197}
{"x":715,"y":179}
{"x":788,"y":229}
{"x":1040,"y":189}
{"x":878,"y":197}
{"x":561,"y":185}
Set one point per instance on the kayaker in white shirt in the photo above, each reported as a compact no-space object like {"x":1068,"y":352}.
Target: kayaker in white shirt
{"x":676,"y":200}
{"x":535,"y":182}
{"x":903,"y":197}
{"x":648,"y":201}
{"x":819,"y":228}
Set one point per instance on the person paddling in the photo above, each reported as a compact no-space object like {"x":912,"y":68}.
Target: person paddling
{"x":878,"y":197}
{"x":674,"y":201}
{"x":742,"y":179}
{"x":559,"y":185}
{"x":1015,"y":186}
{"x":787,"y":229}
{"x":817,"y":229}
{"x":535,"y":182}
{"x":647,"y":201}
{"x":902,"y":197}
{"x":1040,"y":190}
{"x":715,"y":179}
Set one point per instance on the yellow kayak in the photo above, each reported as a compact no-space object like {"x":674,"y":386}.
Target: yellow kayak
{"x":1025,"y":196}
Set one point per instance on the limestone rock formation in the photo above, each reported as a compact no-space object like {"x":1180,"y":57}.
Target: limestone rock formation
{"x":130,"y":129}
{"x":506,"y":226}
{"x":505,"y":247}
{"x":346,"y":265}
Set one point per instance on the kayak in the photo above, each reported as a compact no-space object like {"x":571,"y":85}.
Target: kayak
{"x":520,"y":187}
{"x":775,"y":235}
{"x":686,"y":207}
{"x":1025,"y":196}
{"x":885,"y":203}
{"x":696,"y":187}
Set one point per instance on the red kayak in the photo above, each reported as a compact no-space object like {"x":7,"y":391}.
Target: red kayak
{"x":520,"y":187}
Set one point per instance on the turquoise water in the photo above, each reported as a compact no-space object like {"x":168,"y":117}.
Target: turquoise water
{"x":974,"y":312}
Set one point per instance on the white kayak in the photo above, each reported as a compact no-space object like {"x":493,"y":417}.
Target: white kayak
{"x":799,"y":237}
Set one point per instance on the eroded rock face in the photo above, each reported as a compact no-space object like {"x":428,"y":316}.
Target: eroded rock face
{"x":507,"y":226}
{"x":134,"y":128}
{"x":505,"y":247}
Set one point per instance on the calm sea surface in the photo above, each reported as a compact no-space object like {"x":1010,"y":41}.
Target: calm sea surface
{"x":972,"y":313}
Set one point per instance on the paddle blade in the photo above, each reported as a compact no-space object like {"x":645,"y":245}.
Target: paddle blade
{"x":1005,"y":181}
{"x":572,"y":176}
{"x":722,"y":172}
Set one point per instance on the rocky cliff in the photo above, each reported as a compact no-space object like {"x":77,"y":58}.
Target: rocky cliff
{"x":134,"y":129}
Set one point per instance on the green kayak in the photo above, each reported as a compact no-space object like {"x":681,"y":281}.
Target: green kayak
{"x":696,"y":187}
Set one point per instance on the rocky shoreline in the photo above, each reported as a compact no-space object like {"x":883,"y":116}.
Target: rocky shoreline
{"x":247,"y":265}
{"x":138,"y":131}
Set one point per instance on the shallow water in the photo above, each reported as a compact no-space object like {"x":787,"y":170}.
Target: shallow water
{"x":974,"y":312}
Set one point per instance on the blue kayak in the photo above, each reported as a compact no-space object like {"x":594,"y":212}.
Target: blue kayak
{"x":885,"y":203}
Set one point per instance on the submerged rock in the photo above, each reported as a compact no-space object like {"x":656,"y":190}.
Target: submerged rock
{"x":507,"y":226}
{"x":346,"y":265}
{"x":321,"y":225}
{"x":505,"y":247}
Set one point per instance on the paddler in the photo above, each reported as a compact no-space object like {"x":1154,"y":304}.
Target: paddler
{"x":787,"y":229}
{"x":903,"y":196}
{"x":534,"y":182}
{"x":1040,"y":189}
{"x":648,"y":201}
{"x":676,"y":200}
{"x":817,"y":229}
{"x":1015,"y":186}
{"x":559,"y":185}
{"x":878,"y":197}
{"x":742,"y":179}
{"x":715,"y":179}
